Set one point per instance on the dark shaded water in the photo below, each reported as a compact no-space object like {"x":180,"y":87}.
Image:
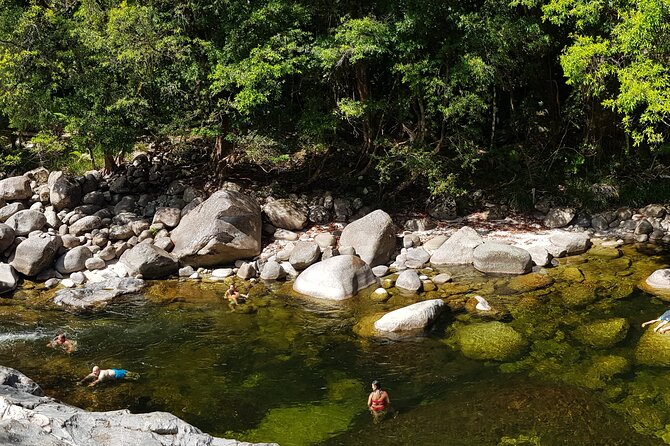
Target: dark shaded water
{"x":295,"y":371}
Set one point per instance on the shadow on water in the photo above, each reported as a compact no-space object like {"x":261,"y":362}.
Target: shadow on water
{"x":296,"y":371}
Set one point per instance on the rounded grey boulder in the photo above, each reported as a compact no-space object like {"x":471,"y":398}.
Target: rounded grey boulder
{"x":501,"y":258}
{"x":336,"y":278}
{"x":224,"y":228}
{"x":412,"y":317}
{"x":372,"y":237}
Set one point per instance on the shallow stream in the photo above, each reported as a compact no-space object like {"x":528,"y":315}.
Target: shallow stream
{"x":297,"y":371}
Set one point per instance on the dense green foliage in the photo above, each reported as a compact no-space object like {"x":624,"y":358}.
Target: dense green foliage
{"x":402,"y":92}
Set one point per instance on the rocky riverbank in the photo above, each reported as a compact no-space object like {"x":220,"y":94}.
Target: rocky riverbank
{"x":101,"y":237}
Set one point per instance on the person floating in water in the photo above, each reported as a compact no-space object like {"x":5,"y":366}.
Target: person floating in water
{"x":62,"y":341}
{"x":99,"y":375}
{"x":378,"y":401}
{"x":234,"y":297}
{"x":664,"y":320}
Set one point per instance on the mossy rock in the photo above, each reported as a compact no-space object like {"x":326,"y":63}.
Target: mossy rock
{"x":653,"y":349}
{"x":530,"y":282}
{"x":366,"y":326}
{"x":605,"y":252}
{"x":620,"y":264}
{"x":452,"y":288}
{"x":575,"y":297}
{"x":608,"y":366}
{"x":572,"y":274}
{"x":602,"y":334}
{"x":490,"y":341}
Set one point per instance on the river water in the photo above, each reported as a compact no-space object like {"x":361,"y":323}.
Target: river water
{"x":297,"y":371}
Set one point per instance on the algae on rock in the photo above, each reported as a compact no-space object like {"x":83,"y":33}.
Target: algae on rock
{"x":603,"y":333}
{"x":490,"y":341}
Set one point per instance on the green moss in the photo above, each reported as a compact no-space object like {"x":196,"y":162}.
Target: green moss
{"x":530,"y":282}
{"x":581,"y":296}
{"x":572,"y":274}
{"x":653,"y":349}
{"x":490,"y":341}
{"x":309,"y":424}
{"x":604,"y":252}
{"x":602,"y":334}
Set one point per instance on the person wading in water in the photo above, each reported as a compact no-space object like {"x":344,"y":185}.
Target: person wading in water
{"x":378,"y":401}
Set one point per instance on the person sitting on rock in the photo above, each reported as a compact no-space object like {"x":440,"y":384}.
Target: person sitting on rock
{"x":664,"y":320}
{"x":234,"y":297}
{"x":99,"y":375}
{"x":62,"y":341}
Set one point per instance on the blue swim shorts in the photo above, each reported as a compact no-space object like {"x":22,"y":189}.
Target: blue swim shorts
{"x":665,"y":316}
{"x":120,"y":373}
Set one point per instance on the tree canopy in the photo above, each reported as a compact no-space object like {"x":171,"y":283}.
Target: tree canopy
{"x":434,"y":93}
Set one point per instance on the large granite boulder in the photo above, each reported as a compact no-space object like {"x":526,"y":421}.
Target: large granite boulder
{"x":64,"y":192}
{"x":8,"y":278}
{"x":85,"y":224}
{"x":224,"y":228}
{"x":336,"y":278}
{"x":29,"y":419}
{"x":659,"y":279}
{"x":98,"y":294}
{"x":372,"y":237}
{"x":10,"y":209}
{"x":285,"y":214}
{"x":26,"y":221}
{"x":150,"y":261}
{"x":7,"y":236}
{"x":170,"y":217}
{"x":304,"y":254}
{"x":73,"y":260}
{"x":570,"y":242}
{"x":35,"y":254}
{"x":17,"y":380}
{"x":408,"y":280}
{"x":500,"y":258}
{"x":458,"y":249}
{"x":15,"y":188}
{"x":559,"y":217}
{"x":490,"y":341}
{"x":417,"y":316}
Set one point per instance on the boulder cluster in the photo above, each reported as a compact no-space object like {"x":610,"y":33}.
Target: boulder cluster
{"x":648,"y":224}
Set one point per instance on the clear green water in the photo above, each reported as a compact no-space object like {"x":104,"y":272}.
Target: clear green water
{"x":296,"y":372}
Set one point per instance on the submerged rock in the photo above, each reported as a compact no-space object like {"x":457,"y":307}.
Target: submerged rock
{"x":336,"y":278}
{"x":413,"y":317}
{"x":99,"y":293}
{"x":490,"y":341}
{"x":653,"y":349}
{"x":604,"y":333}
{"x":29,"y":419}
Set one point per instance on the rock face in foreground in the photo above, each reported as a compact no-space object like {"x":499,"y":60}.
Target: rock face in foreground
{"x":224,"y":228}
{"x":28,"y":419}
{"x":336,"y":278}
